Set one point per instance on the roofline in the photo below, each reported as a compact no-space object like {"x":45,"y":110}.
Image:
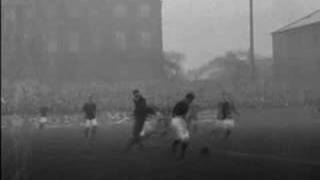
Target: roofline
{"x":292,"y":29}
{"x":279,"y":30}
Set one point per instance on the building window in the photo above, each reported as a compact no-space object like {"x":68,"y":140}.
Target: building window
{"x":74,"y":42}
{"x":145,"y":39}
{"x":144,"y":11}
{"x":120,"y":11}
{"x":120,"y":39}
{"x":52,"y":42}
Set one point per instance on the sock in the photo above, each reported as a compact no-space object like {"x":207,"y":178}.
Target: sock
{"x":228,"y":133}
{"x":93,"y":131}
{"x":175,"y":145}
{"x":86,"y":133}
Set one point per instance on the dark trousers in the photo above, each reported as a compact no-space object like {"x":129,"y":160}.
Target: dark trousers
{"x":138,"y":126}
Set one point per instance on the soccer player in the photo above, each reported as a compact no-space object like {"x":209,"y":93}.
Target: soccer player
{"x":90,"y":110}
{"x":140,"y":114}
{"x":43,"y":117}
{"x":3,"y":105}
{"x":226,"y":110}
{"x":179,"y":125}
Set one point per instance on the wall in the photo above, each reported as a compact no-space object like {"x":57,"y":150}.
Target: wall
{"x":297,"y":54}
{"x":84,"y":40}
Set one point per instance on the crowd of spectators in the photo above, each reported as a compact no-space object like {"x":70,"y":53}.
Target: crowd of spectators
{"x":27,"y":97}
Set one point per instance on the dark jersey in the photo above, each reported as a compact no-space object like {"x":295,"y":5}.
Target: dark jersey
{"x":225,"y":110}
{"x":90,"y":110}
{"x":44,"y":111}
{"x":180,"y":109}
{"x":140,"y":113}
{"x":140,"y":107}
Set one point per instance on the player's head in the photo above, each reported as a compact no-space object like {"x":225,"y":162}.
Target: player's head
{"x":190,"y":97}
{"x":136,"y":93}
{"x":224,"y":95}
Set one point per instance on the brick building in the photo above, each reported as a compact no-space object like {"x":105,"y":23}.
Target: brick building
{"x":84,"y":39}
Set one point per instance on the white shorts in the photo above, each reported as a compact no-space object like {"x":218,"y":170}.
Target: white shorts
{"x":224,"y":124}
{"x":91,"y":123}
{"x":179,"y":126}
{"x":149,"y":126}
{"x":43,"y":120}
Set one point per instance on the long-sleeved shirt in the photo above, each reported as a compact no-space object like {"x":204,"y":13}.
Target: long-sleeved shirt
{"x":180,"y":109}
{"x":90,"y":110}
{"x":140,"y":107}
{"x":225,"y":110}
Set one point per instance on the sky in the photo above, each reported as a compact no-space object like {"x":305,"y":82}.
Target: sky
{"x":205,"y":29}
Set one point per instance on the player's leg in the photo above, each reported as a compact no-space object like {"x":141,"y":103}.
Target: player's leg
{"x":87,"y":129}
{"x":228,"y":133}
{"x":136,"y":138}
{"x":43,"y":121}
{"x":184,"y":136}
{"x":216,"y":131}
{"x":137,"y":134}
{"x":177,"y":141}
{"x":184,"y":147}
{"x":94,"y":128}
{"x":41,"y":125}
{"x":164,"y":127}
{"x":175,"y":145}
{"x":228,"y":125}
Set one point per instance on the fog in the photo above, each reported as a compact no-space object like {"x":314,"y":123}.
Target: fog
{"x":159,"y":89}
{"x":204,"y":29}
